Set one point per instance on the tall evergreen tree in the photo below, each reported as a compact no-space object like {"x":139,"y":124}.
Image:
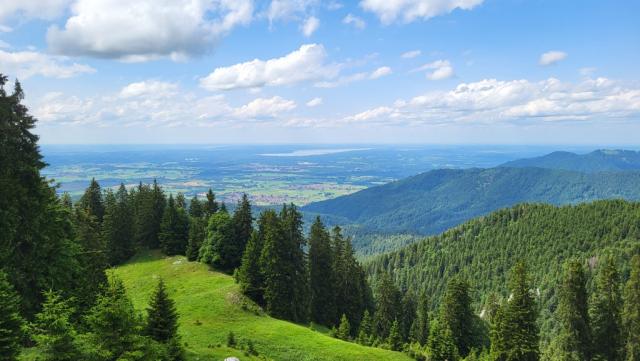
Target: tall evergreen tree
{"x":210,"y":206}
{"x":574,"y":339}
{"x":366,"y":328}
{"x":514,"y":335}
{"x":409,"y":314}
{"x":36,"y":238}
{"x":295,"y":242}
{"x":456,"y":314}
{"x":92,"y":202}
{"x":117,"y":227}
{"x":196,"y":236}
{"x":162,"y":316}
{"x":388,"y":305}
{"x":441,"y":345}
{"x":174,"y":229}
{"x":53,"y":332}
{"x":243,"y":227}
{"x":631,"y":314}
{"x":344,"y":329}
{"x":395,"y":337}
{"x":10,"y":321}
{"x":605,"y":307}
{"x":195,"y":208}
{"x":420,"y":327}
{"x":321,"y":277}
{"x":157,"y":205}
{"x":250,"y":274}
{"x":181,"y":202}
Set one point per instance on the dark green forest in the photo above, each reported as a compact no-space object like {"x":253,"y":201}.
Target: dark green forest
{"x":432,"y":202}
{"x":524,"y":283}
{"x":603,"y":160}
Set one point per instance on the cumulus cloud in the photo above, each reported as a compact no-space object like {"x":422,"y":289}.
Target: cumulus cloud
{"x":493,"y":100}
{"x":155,"y":103}
{"x":355,"y":21}
{"x":437,"y":70}
{"x":551,"y":57}
{"x":306,"y":63}
{"x":38,"y":9}
{"x":25,"y":64}
{"x":147,"y":29}
{"x":310,"y":26}
{"x":288,"y":9}
{"x":411,"y":54}
{"x":314,"y":102}
{"x":406,"y":11}
{"x":380,"y":72}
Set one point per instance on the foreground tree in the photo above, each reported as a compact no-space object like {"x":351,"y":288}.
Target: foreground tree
{"x":91,"y":201}
{"x":117,"y":227}
{"x":242,"y":229}
{"x":631,"y":313}
{"x":441,"y":345}
{"x":514,"y":335}
{"x":420,"y":328}
{"x":276,"y":268}
{"x":457,"y":316}
{"x":295,"y":242}
{"x":10,"y":321}
{"x":574,"y":339}
{"x":249,"y":274}
{"x":174,"y":229}
{"x":388,"y":306}
{"x":219,"y":248}
{"x":321,"y":278}
{"x":162,"y":322}
{"x":606,"y":304}
{"x":53,"y":332}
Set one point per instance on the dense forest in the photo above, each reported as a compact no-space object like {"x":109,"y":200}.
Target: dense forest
{"x":480,"y":291}
{"x":437,"y":200}
{"x":603,"y":160}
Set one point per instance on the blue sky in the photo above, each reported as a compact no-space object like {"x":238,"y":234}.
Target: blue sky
{"x":305,"y":71}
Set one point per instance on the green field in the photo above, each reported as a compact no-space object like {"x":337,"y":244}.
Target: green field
{"x":210,"y":305}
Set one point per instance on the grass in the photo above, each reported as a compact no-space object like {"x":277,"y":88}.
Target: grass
{"x":210,"y":305}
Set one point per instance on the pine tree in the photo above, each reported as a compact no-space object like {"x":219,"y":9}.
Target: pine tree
{"x":441,"y":345}
{"x":321,"y":278}
{"x":249,"y":274}
{"x":457,"y":316}
{"x":174,"y":229}
{"x":574,"y":339}
{"x":162,"y":316}
{"x":53,"y":331}
{"x":366,"y":328}
{"x":196,"y":208}
{"x":10,"y":321}
{"x":395,"y":338}
{"x":181,"y":202}
{"x":420,"y":327}
{"x":295,"y":242}
{"x":117,"y":227}
{"x":514,"y":334}
{"x":388,"y":306}
{"x":155,"y":213}
{"x":197,"y":234}
{"x":631,"y":314}
{"x":91,"y":201}
{"x":344,"y":330}
{"x":210,"y":206}
{"x":605,"y":307}
{"x":409,"y":314}
{"x":243,"y":227}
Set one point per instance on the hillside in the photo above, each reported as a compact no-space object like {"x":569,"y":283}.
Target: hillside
{"x":542,"y":235}
{"x":210,"y":306}
{"x":437,"y":200}
{"x":602,"y":160}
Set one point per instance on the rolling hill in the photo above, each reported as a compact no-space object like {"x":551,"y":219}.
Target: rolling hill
{"x":210,"y":305}
{"x":434,"y":201}
{"x":602,"y":160}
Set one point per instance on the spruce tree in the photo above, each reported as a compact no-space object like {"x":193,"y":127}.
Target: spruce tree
{"x":631,"y":314}
{"x":420,"y":328}
{"x":210,"y":206}
{"x":344,"y":330}
{"x":249,"y":274}
{"x":162,"y":316}
{"x":53,"y":332}
{"x":409,"y":314}
{"x":395,"y":337}
{"x":457,"y":316}
{"x":295,"y":242}
{"x":91,"y":201}
{"x":366,"y":328}
{"x":243,"y":227}
{"x":117,"y":227}
{"x":514,"y":334}
{"x":181,"y":202}
{"x":605,"y":307}
{"x":388,"y":305}
{"x":321,"y":278}
{"x":574,"y":338}
{"x":441,"y":345}
{"x":10,"y":321}
{"x":174,"y":229}
{"x":196,"y":236}
{"x":155,"y":213}
{"x":196,"y":208}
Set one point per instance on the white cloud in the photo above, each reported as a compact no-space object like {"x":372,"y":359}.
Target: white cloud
{"x":491,"y":100}
{"x":411,"y":54}
{"x":355,"y":21}
{"x":588,"y":71}
{"x":147,"y":29}
{"x":25,"y":64}
{"x":406,"y":11}
{"x":265,"y":107}
{"x":288,"y":9}
{"x":551,"y":57}
{"x":152,"y":88}
{"x":310,"y":26}
{"x":380,"y":72}
{"x":306,"y":63}
{"x":39,"y":9}
{"x":437,"y":70}
{"x":4,"y":45}
{"x":314,"y":102}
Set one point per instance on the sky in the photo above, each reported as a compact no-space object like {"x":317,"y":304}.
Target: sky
{"x":336,"y":71}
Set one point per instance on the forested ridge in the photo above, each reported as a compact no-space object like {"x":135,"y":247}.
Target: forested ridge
{"x":434,"y":201}
{"x":486,"y":290}
{"x":602,"y":160}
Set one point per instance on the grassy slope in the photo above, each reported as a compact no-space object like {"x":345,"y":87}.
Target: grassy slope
{"x":213,"y":299}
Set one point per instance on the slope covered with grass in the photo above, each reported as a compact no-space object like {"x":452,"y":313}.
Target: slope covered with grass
{"x":210,"y":305}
